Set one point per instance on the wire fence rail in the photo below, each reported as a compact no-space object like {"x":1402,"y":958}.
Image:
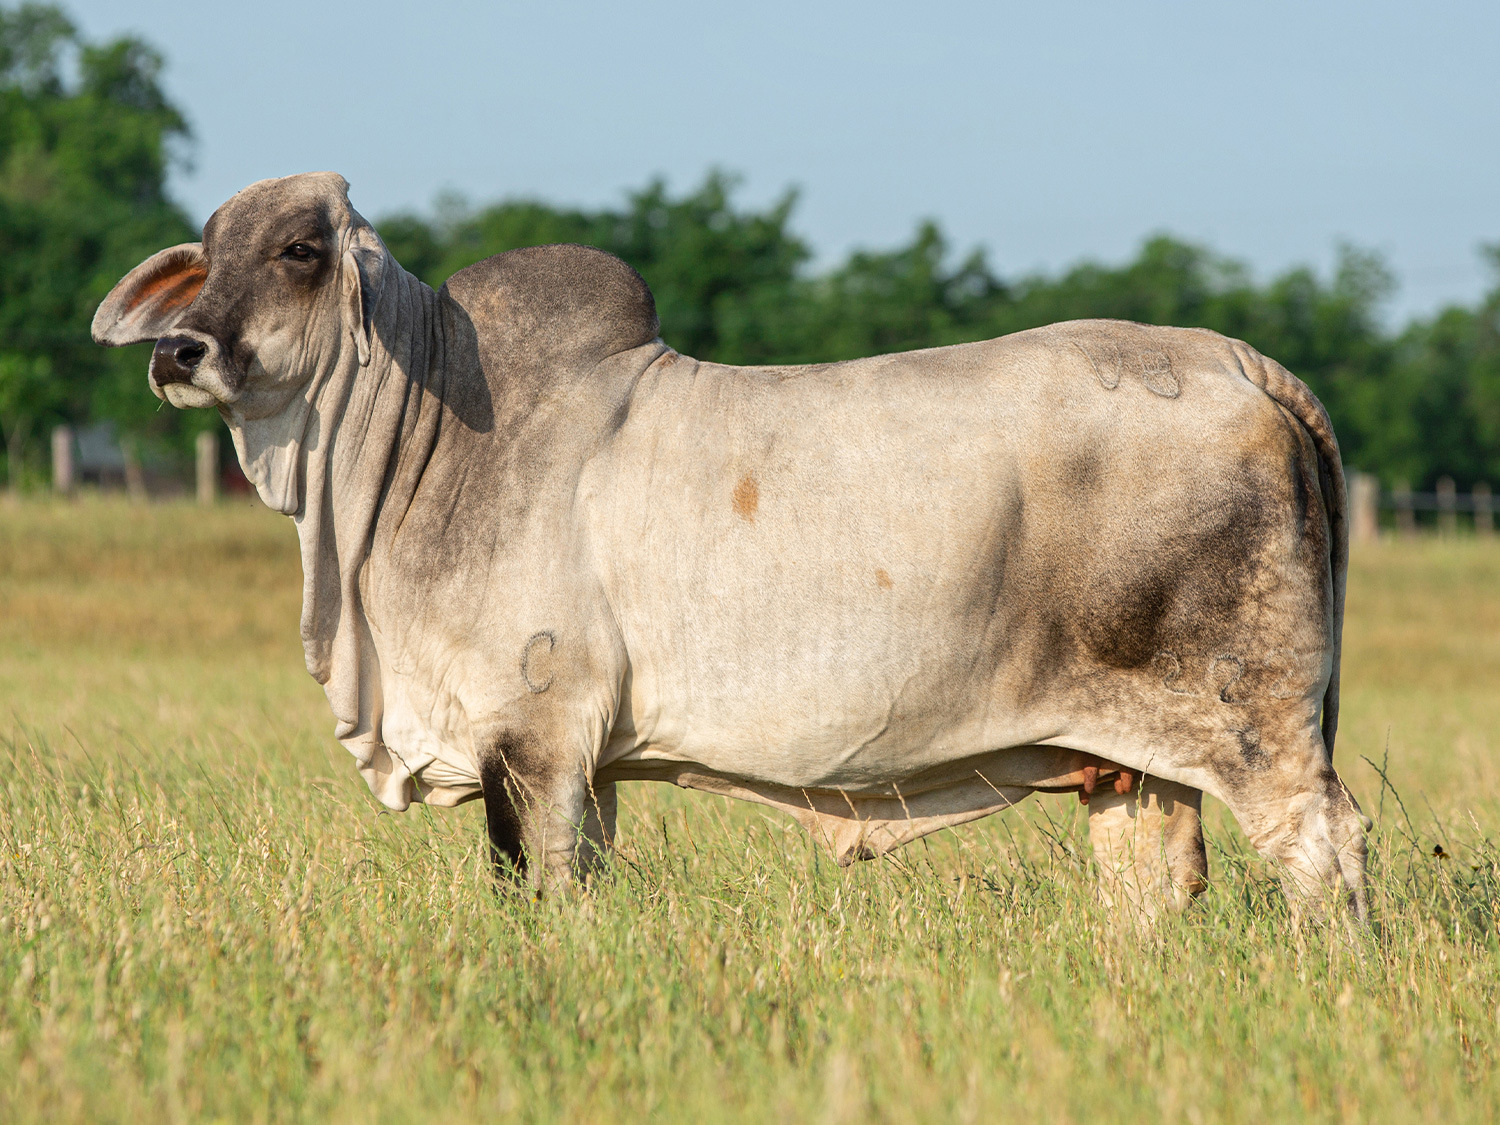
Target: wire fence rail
{"x":1454,"y":512}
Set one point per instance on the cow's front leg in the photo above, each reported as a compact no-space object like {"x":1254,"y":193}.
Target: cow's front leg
{"x":597,"y":838}
{"x":1148,"y":844}
{"x":546,"y":824}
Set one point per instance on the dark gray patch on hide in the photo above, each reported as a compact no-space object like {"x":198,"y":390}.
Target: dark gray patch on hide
{"x":1084,"y":471}
{"x":536,"y":661}
{"x":1254,"y":756}
{"x":1127,"y":637}
{"x":1172,"y":594}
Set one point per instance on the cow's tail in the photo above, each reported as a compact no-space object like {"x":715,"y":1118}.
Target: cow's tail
{"x":1293,"y":395}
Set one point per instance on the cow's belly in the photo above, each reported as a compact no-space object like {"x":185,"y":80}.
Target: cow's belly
{"x":841,"y":671}
{"x":836,"y":670}
{"x":939,"y":727}
{"x":779,"y":745}
{"x":800,"y":760}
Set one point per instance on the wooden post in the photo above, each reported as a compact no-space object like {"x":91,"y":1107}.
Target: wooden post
{"x":1484,"y":511}
{"x":1364,"y":508}
{"x":135,"y":476}
{"x":62,"y":460}
{"x":1447,"y":499}
{"x":1406,"y":520}
{"x":208,"y":466}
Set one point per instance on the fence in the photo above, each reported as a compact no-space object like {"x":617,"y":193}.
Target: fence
{"x":97,"y":450}
{"x":1367,"y":501}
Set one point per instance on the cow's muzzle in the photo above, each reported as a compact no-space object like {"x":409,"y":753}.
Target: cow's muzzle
{"x":175,"y":359}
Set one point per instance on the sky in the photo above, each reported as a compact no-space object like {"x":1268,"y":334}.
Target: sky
{"x":1047,"y":133}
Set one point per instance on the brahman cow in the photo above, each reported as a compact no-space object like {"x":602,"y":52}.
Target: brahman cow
{"x":544,"y":553}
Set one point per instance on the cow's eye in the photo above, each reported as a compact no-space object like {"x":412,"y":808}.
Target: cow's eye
{"x":299,"y":252}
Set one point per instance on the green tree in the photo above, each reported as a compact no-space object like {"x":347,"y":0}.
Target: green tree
{"x":714,"y":269}
{"x":26,"y":390}
{"x":1441,"y":401}
{"x":83,"y":167}
{"x":896,"y":300}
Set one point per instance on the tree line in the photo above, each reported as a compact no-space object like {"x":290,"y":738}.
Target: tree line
{"x":87,"y":139}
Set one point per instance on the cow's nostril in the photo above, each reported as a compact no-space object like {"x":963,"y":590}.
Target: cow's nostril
{"x":175,"y":358}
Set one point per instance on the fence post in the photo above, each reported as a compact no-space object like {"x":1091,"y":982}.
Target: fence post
{"x":1364,"y":505}
{"x":1447,"y":501}
{"x":1484,"y":511}
{"x":208,"y":466}
{"x":1406,"y":520}
{"x":62,"y":460}
{"x":135,"y":476}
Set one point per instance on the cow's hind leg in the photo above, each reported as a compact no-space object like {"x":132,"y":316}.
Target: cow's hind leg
{"x":1298,"y":813}
{"x":1148,"y":846}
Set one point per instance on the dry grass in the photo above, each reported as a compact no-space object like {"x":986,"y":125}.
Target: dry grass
{"x":204,"y":916}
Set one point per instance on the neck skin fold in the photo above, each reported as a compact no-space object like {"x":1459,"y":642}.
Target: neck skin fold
{"x":350,"y":444}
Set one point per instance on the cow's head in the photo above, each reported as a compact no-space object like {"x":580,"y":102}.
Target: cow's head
{"x":283,"y":284}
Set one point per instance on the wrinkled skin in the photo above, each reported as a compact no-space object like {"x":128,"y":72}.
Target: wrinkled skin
{"x":543,"y":553}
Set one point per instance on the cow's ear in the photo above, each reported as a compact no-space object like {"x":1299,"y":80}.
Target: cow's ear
{"x":362,"y":270}
{"x":151,"y":298}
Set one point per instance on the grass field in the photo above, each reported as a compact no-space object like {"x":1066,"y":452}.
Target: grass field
{"x":203,"y":914}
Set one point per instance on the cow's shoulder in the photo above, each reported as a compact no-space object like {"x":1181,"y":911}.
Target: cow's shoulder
{"x":558,"y":302}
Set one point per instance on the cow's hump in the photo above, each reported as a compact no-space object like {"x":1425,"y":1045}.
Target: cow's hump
{"x":551,"y":305}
